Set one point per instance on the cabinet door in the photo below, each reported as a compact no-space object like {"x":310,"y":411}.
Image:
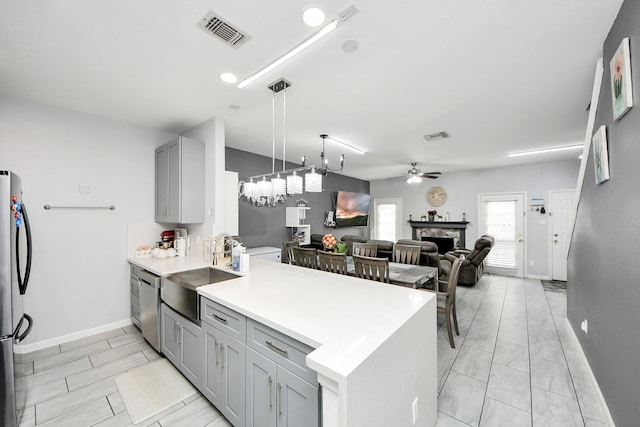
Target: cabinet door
{"x":174,"y":183}
{"x":191,"y":352}
{"x":260,"y":390}
{"x":211,"y":378}
{"x":161,"y":183}
{"x":297,"y":401}
{"x":169,"y":340}
{"x":233,"y":377}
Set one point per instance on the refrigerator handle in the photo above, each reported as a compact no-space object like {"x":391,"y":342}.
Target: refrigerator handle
{"x":25,"y":333}
{"x":22,"y":284}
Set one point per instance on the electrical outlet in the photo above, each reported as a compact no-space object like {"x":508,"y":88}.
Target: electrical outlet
{"x":585,"y":326}
{"x":414,"y":410}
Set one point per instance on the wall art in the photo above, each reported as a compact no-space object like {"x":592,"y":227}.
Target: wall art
{"x":620,"y":67}
{"x":600,"y":155}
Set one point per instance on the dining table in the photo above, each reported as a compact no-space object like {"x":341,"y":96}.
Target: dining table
{"x":408,"y":275}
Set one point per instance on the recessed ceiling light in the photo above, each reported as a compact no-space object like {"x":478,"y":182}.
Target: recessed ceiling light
{"x":313,"y":16}
{"x":228,"y":78}
{"x":350,"y":46}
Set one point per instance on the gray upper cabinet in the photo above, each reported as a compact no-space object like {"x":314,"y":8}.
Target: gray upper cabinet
{"x":180,"y":182}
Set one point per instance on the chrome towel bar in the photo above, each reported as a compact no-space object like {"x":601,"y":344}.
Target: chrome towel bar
{"x":48,"y":207}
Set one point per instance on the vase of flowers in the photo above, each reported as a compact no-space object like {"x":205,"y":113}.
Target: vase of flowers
{"x":432,"y":215}
{"x":329,"y":242}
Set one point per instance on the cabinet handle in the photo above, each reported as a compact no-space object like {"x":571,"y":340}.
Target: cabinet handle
{"x":216,"y":344}
{"x":279,"y":400}
{"x":218,"y":352}
{"x":180,"y":333}
{"x":278,"y":350}
{"x":175,"y":332}
{"x":270,"y":393}
{"x":220,"y":319}
{"x":224,"y":355}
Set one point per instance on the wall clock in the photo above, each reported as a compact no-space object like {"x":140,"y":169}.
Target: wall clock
{"x":436,"y":196}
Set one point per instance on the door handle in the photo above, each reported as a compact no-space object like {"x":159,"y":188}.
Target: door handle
{"x":555,"y":241}
{"x":520,"y":240}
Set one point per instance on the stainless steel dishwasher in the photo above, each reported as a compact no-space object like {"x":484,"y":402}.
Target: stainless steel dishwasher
{"x":150,"y":308}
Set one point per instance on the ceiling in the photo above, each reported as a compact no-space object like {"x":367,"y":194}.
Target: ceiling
{"x":497,"y":75}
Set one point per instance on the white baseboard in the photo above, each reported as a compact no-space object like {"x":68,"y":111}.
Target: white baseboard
{"x":39,"y":345}
{"x":592,"y":377}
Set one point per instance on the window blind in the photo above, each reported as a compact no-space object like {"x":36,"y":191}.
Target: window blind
{"x":386,"y":221}
{"x":501,"y":224}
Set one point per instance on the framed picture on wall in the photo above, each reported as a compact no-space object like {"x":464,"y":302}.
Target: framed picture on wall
{"x":620,"y":68}
{"x":600,"y":155}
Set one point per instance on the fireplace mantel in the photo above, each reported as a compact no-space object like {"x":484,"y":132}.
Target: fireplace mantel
{"x":461,"y":226}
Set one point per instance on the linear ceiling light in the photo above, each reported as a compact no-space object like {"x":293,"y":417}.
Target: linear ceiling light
{"x":546,"y":150}
{"x":344,"y":15}
{"x":345,"y":145}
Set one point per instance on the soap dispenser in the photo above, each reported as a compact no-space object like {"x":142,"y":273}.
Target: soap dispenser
{"x":244,"y":261}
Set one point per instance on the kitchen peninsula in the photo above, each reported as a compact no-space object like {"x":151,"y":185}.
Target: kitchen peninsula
{"x":375,"y":344}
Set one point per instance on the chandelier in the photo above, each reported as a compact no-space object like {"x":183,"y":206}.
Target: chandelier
{"x":270,"y":189}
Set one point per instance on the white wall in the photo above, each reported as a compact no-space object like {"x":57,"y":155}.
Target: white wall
{"x":463,"y":189}
{"x":80,"y":274}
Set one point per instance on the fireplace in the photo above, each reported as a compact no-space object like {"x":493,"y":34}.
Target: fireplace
{"x":448,"y":235}
{"x":445,"y":244}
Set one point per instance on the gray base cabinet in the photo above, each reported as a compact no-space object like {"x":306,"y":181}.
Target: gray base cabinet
{"x":276,"y":397}
{"x":224,"y":360}
{"x":134,"y":297}
{"x":181,"y":343}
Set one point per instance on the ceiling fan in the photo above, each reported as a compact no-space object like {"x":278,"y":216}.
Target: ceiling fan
{"x":414,"y":175}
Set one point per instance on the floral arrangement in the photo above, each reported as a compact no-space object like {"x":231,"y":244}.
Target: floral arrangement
{"x":328,"y":241}
{"x":341,"y":248}
{"x":432,"y":212}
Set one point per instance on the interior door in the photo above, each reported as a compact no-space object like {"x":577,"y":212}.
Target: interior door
{"x":561,"y":212}
{"x":502,"y":216}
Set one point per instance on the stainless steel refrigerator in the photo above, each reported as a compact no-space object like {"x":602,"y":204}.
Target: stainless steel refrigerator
{"x":15,"y":268}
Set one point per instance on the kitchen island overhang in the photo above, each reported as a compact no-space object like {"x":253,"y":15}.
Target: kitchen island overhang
{"x":375,"y":344}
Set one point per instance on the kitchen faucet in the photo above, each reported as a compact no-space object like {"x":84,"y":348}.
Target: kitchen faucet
{"x":226,"y":236}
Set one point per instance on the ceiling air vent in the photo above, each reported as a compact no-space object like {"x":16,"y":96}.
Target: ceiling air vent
{"x":436,"y":136}
{"x":221,"y":29}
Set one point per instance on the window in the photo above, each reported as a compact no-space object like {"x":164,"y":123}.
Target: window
{"x":387,"y":214}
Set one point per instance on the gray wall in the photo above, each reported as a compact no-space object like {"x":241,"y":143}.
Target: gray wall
{"x":264,"y":226}
{"x":603,"y":273}
{"x":463,"y":189}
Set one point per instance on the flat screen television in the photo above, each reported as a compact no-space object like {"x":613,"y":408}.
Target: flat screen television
{"x":352,"y":209}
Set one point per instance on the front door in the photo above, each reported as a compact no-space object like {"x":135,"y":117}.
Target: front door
{"x":502,"y":216}
{"x":561,"y":211}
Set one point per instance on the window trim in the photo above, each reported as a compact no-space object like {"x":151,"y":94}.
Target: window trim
{"x":399,"y":212}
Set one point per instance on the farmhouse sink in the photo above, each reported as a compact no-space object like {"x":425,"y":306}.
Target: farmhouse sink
{"x":179,"y":290}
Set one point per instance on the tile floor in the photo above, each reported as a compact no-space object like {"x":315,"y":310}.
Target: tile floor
{"x":515,"y":364}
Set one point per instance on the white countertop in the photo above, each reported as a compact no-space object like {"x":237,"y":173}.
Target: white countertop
{"x":349,"y":321}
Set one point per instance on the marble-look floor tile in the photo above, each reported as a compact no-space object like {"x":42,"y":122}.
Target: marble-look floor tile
{"x":498,"y":414}
{"x":118,"y":353}
{"x":116,"y":402}
{"x":481,"y":340}
{"x":445,"y":420}
{"x":589,"y":400}
{"x":578,"y":365}
{"x":552,"y":376}
{"x":511,"y":355}
{"x":91,"y":339}
{"x":588,"y":422}
{"x":131,"y":329}
{"x":105,"y":371}
{"x":198,"y":413}
{"x":516,"y":334}
{"x":444,"y":347}
{"x":87,"y":415}
{"x":27,"y":417}
{"x":473,"y":363}
{"x":73,"y":400}
{"x":151,"y":354}
{"x":41,"y":393}
{"x":544,"y":348}
{"x":125,"y":339}
{"x":219,"y":422}
{"x":444,"y":366}
{"x":510,"y":386}
{"x":53,"y":374}
{"x":462,"y":398}
{"x":70,"y":356}
{"x":553,"y":410}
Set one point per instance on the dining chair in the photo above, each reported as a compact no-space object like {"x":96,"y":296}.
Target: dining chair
{"x":447,"y":298}
{"x":287,"y":251}
{"x":332,"y":262}
{"x":406,"y":254}
{"x":372,"y":268}
{"x":305,"y":257}
{"x":365,"y":249}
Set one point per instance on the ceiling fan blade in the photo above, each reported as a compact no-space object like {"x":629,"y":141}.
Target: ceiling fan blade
{"x":426,"y":174}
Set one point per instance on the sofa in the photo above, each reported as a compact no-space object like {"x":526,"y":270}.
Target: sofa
{"x":473,"y":265}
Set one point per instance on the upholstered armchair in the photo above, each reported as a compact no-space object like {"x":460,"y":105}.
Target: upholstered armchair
{"x":473,"y":265}
{"x":428,"y":252}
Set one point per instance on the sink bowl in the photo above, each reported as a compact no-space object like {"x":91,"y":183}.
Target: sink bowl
{"x":179,"y":290}
{"x":203,"y":276}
